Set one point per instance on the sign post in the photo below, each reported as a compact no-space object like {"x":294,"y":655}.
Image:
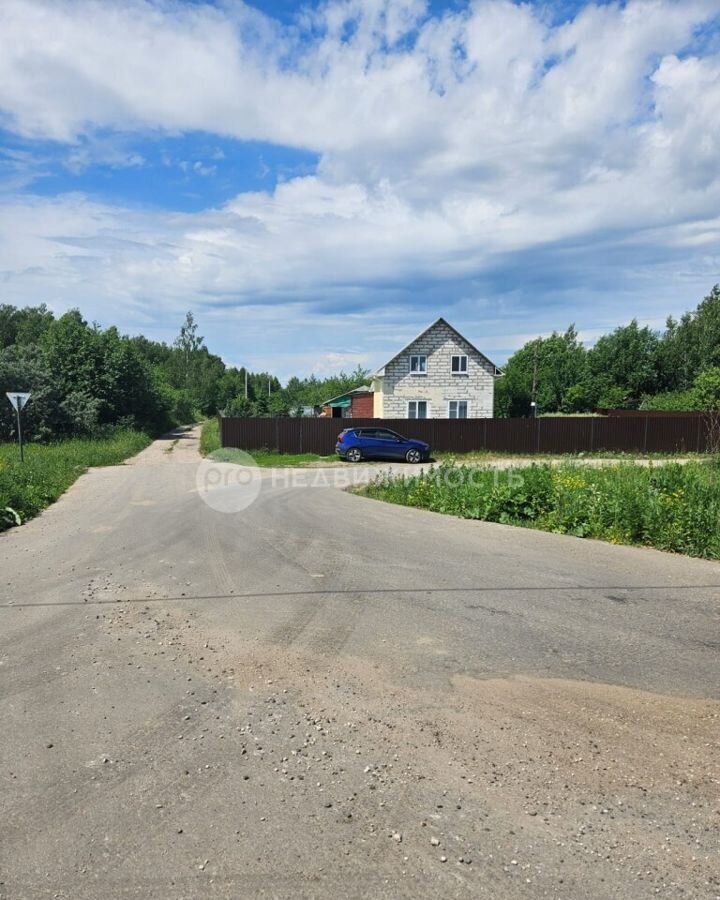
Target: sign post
{"x":18,"y":400}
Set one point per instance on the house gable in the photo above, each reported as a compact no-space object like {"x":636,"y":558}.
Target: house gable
{"x":431,"y":380}
{"x":438,"y":326}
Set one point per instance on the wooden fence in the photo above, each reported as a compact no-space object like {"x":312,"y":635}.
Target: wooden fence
{"x":563,"y":434}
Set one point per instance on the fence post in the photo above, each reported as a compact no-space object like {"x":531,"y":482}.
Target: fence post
{"x":699,"y":433}
{"x":301,"y":435}
{"x":647,"y":419}
{"x":537,"y":425}
{"x":592,"y":434}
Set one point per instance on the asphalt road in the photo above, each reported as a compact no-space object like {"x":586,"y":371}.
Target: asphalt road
{"x":323,"y":696}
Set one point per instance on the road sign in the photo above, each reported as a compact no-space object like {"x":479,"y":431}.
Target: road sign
{"x":18,"y":399}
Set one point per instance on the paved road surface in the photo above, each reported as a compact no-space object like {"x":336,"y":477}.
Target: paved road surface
{"x":324,"y":696}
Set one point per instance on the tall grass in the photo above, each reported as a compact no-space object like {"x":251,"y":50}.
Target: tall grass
{"x":210,"y":437}
{"x":672,"y":507}
{"x":49,"y":470}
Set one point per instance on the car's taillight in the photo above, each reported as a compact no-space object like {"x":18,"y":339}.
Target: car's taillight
{"x":341,"y":436}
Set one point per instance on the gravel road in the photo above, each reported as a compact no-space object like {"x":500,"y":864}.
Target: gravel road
{"x":324,"y":696}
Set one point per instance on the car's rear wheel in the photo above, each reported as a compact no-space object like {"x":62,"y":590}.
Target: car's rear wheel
{"x":353,"y":455}
{"x":413,"y":455}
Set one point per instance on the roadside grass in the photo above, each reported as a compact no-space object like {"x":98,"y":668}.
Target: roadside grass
{"x":49,"y":470}
{"x":210,"y":446}
{"x":671,"y":507}
{"x":209,"y":437}
{"x":271,"y":458}
{"x":481,"y":456}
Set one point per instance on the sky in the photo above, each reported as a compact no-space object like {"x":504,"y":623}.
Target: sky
{"x":319,"y":181}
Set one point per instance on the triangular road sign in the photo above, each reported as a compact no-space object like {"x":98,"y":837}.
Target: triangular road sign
{"x":18,"y":399}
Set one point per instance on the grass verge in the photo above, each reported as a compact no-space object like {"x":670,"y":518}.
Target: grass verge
{"x":486,"y":456}
{"x":271,"y":458}
{"x":209,"y":437}
{"x":671,"y":507}
{"x":210,"y":446}
{"x":49,"y":470}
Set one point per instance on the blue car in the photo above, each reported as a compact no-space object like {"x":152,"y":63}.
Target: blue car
{"x":354,"y":444}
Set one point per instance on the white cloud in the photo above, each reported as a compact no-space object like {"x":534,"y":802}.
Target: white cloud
{"x":456,"y":153}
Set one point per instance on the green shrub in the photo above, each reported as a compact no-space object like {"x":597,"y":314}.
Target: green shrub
{"x":672,"y":507}
{"x":210,"y":437}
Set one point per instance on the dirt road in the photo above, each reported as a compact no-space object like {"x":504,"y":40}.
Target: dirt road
{"x":322,"y":696}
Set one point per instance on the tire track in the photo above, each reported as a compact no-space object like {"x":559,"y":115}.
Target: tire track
{"x":288,"y":632}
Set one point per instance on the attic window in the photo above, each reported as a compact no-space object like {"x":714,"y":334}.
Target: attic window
{"x":418,"y":365}
{"x":459,"y":365}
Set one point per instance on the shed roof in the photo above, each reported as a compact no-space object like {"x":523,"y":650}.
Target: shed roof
{"x":365,"y":389}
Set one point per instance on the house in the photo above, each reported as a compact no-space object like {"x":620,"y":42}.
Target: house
{"x":438,"y":375}
{"x":355,"y":404}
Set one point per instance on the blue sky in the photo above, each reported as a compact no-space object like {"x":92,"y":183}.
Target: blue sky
{"x":319,"y":181}
{"x":185,"y":172}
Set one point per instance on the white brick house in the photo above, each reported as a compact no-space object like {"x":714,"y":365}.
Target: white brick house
{"x":439,"y":375}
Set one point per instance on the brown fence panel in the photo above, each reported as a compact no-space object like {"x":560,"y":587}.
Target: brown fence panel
{"x":511,"y":435}
{"x":450,"y":435}
{"x":620,"y":434}
{"x":564,"y":434}
{"x":682,"y":434}
{"x":286,"y":436}
{"x":248,"y":434}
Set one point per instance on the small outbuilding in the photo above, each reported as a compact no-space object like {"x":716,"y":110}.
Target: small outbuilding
{"x":355,"y":404}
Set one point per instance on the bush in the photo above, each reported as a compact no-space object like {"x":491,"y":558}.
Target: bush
{"x":210,"y":437}
{"x":672,"y":507}
{"x":672,"y":401}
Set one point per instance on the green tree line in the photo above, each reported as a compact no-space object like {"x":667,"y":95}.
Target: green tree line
{"x":85,"y":379}
{"x":633,"y":367}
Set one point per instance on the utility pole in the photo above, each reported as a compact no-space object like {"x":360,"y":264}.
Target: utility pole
{"x":268,"y":385}
{"x":533,"y":393}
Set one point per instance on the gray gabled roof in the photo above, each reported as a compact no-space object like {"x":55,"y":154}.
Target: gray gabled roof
{"x":440,"y":321}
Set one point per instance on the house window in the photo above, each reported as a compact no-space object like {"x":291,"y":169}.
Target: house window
{"x":458,"y":409}
{"x":417,"y":409}
{"x":418,"y":365}
{"x":458,"y":365}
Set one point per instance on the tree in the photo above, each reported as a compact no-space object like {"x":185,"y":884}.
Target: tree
{"x":557,"y":363}
{"x":207,"y":373}
{"x":693,"y":344}
{"x":25,"y":369}
{"x":188,"y":343}
{"x":239,"y":406}
{"x":84,"y":378}
{"x":72,"y":351}
{"x":706,"y":390}
{"x":32,"y":323}
{"x":623,"y":366}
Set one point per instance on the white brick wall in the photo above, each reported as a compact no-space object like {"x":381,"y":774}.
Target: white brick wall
{"x":439,"y":385}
